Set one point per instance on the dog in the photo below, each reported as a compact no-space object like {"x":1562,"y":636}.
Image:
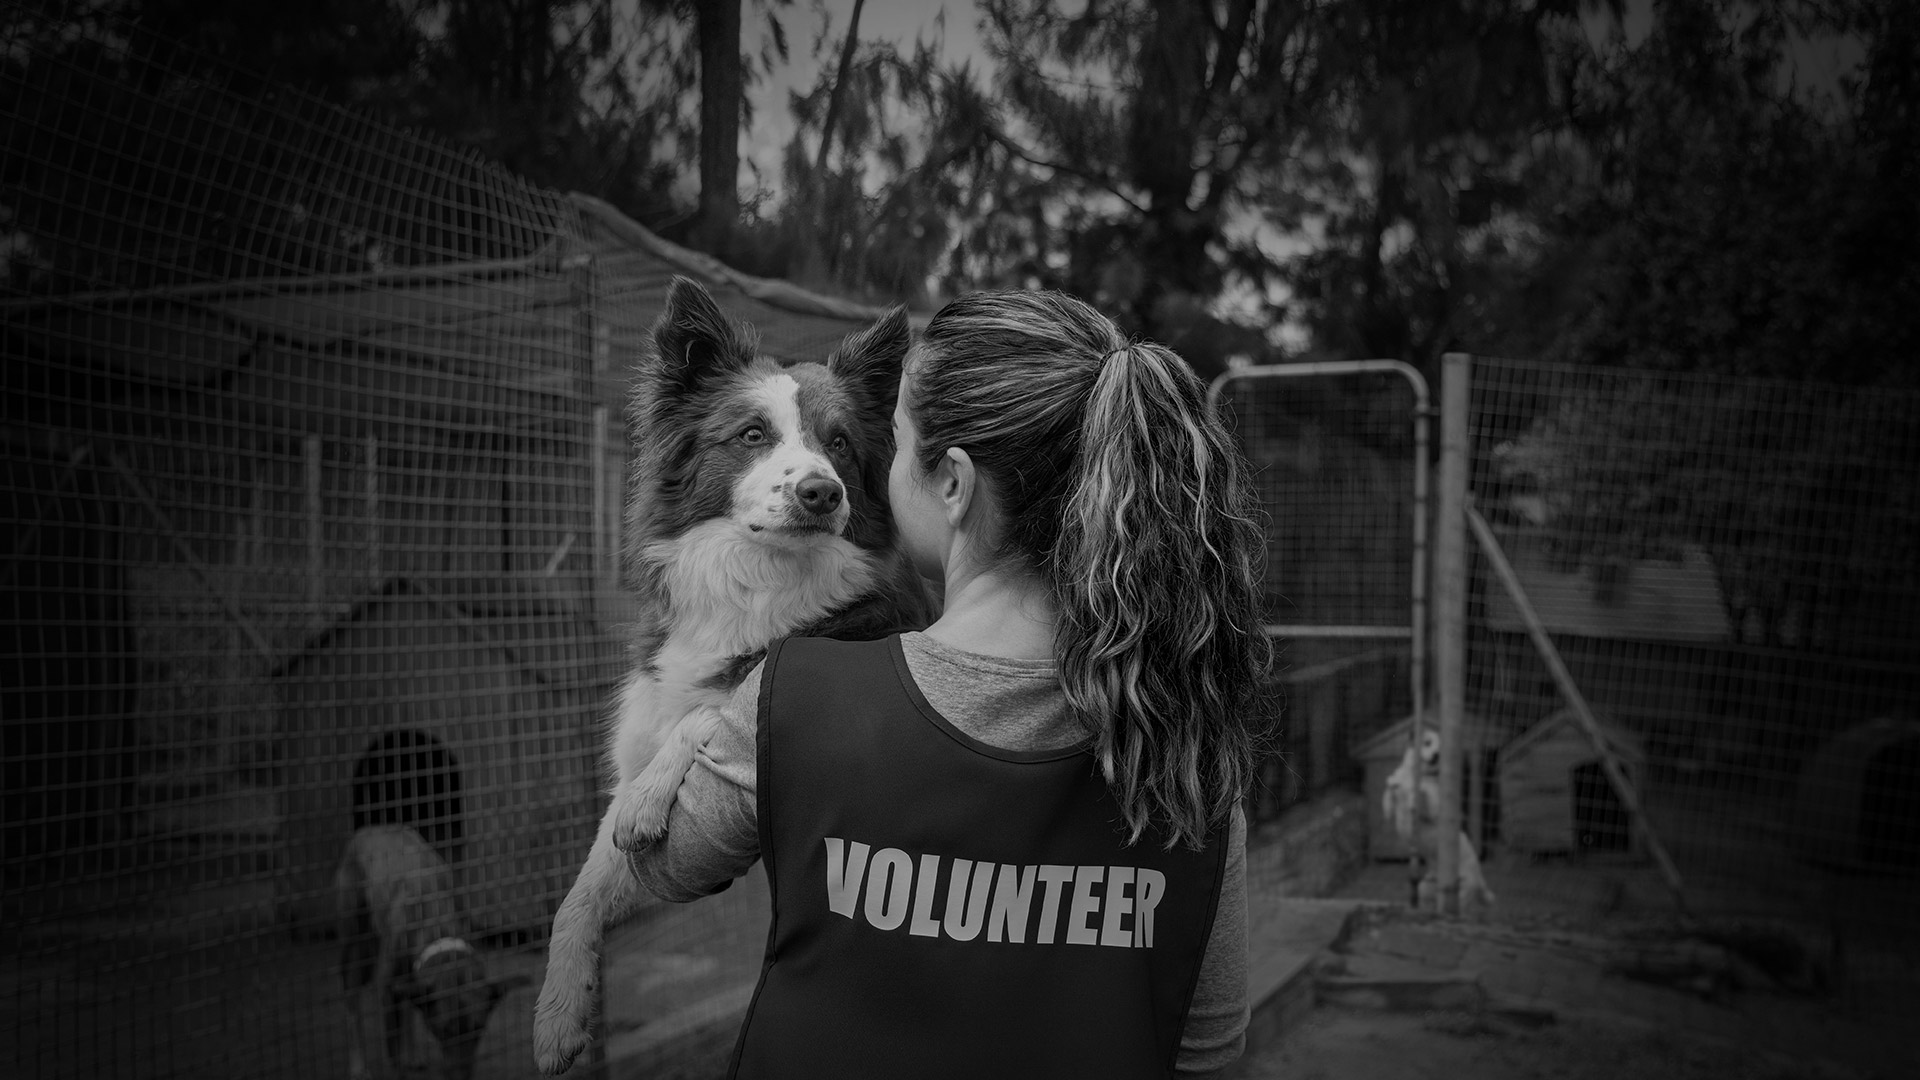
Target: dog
{"x":757,"y":508}
{"x":1411,"y":802}
{"x":403,"y":946}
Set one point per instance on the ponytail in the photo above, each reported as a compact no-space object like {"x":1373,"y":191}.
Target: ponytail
{"x":1156,"y":596}
{"x":1121,"y":487}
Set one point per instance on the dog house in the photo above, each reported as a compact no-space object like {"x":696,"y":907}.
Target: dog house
{"x":1380,"y":756}
{"x":471,"y":713}
{"x":1858,"y":803}
{"x":1555,"y":797}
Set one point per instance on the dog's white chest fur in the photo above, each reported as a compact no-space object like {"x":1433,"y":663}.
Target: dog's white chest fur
{"x":731,"y":593}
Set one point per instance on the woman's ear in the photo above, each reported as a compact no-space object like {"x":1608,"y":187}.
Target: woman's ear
{"x":957,"y":483}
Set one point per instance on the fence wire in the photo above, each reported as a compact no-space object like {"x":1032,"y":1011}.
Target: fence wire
{"x":310,"y":474}
{"x":1731,"y":570}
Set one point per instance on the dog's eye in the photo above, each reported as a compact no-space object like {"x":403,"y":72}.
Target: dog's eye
{"x":754,"y":435}
{"x":838,"y":445}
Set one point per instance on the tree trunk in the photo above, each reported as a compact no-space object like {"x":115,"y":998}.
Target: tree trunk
{"x":1167,"y":111}
{"x":839,"y":96}
{"x":718,"y":26}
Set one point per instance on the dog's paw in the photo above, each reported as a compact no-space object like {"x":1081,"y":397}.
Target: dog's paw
{"x":559,"y":1034}
{"x":641,"y":818}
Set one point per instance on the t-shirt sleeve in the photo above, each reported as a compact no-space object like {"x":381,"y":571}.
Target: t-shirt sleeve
{"x":713,"y":831}
{"x":1216,"y":1030}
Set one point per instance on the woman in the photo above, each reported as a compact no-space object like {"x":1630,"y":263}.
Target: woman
{"x":1010,"y":845}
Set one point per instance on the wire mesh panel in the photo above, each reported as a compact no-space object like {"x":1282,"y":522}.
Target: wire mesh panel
{"x":296,"y":477}
{"x":1333,"y":451}
{"x":1731,"y":571}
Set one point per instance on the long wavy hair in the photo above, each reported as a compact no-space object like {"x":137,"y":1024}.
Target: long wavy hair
{"x":1120,"y":487}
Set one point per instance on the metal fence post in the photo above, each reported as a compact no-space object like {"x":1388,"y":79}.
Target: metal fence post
{"x":1450,"y":617}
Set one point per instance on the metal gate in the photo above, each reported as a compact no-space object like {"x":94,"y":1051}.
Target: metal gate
{"x":1339,"y":450}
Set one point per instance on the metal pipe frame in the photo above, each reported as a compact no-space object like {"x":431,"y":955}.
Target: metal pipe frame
{"x":1416,"y":630}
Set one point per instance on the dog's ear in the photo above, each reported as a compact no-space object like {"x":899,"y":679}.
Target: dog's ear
{"x":694,"y":338}
{"x":507,"y":984}
{"x":871,"y":359}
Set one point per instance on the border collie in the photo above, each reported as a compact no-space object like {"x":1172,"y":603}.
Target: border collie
{"x":757,"y":509}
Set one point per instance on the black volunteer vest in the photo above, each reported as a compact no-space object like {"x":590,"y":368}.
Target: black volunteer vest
{"x":942,"y":908}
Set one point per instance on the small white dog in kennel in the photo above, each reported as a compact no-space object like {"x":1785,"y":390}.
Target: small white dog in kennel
{"x":1411,"y":802}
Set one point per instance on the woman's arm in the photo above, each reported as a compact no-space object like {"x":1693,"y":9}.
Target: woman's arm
{"x":713,"y":832}
{"x":1216,"y":1030}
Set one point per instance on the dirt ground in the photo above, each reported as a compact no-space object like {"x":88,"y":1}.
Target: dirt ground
{"x":1355,"y":1044}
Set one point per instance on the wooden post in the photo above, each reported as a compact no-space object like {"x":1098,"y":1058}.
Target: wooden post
{"x":1450,"y":618}
{"x":1563,"y":678}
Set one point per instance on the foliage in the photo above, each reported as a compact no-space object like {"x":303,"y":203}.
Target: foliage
{"x":140,"y":165}
{"x":1421,"y":174}
{"x":1506,"y":178}
{"x":1148,"y":156}
{"x":1713,"y":218}
{"x":1733,"y":226}
{"x":1073,"y":170}
{"x":328,"y":47}
{"x":596,"y":96}
{"x":1803,"y":500}
{"x":877,"y":213}
{"x":572,"y":95}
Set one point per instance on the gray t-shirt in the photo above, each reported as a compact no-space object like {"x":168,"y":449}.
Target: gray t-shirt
{"x":713,"y":833}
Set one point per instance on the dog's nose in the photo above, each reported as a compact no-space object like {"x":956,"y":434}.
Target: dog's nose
{"x":819,"y":495}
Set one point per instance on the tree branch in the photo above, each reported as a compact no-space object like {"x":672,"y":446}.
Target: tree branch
{"x":1101,"y":181}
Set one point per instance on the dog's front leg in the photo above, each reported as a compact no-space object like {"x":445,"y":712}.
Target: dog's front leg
{"x":360,"y":960}
{"x":641,"y":806}
{"x":398,"y":1018}
{"x":605,"y":894}
{"x":357,"y":1047}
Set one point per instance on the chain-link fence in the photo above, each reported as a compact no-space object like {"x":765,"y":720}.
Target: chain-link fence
{"x":1730,"y":571}
{"x":310,"y":474}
